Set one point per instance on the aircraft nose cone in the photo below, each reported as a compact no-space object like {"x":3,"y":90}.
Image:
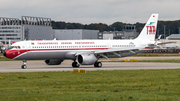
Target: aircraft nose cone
{"x":4,"y":53}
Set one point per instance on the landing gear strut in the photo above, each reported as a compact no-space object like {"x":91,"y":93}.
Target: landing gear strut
{"x":24,"y":64}
{"x":75,"y":64}
{"x":97,"y":64}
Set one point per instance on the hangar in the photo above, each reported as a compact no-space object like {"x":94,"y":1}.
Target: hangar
{"x":75,"y":34}
{"x":26,"y":28}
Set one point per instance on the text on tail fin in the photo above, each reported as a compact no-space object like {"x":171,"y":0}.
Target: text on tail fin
{"x":149,"y":30}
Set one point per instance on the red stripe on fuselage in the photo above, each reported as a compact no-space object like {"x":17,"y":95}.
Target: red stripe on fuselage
{"x":14,"y":53}
{"x":149,"y":48}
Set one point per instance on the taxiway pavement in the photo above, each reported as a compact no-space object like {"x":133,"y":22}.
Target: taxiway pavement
{"x":40,"y":66}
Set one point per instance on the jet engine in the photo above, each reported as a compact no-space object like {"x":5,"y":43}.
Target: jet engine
{"x":86,"y":59}
{"x":53,"y":62}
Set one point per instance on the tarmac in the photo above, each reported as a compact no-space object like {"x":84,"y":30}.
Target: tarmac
{"x":40,"y":66}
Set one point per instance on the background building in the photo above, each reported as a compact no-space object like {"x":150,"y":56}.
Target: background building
{"x":1,"y":46}
{"x":112,"y":35}
{"x":28,"y":28}
{"x":73,"y":34}
{"x":173,"y":37}
{"x":128,"y":32}
{"x":36,"y":28}
{"x":108,"y":35}
{"x":10,"y":29}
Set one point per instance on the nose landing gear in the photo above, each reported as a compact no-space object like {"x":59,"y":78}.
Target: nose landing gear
{"x":24,"y":64}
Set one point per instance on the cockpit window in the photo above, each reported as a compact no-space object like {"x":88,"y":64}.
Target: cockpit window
{"x":11,"y":47}
{"x":14,"y":47}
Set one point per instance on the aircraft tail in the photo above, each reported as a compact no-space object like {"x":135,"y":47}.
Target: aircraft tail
{"x":149,"y":30}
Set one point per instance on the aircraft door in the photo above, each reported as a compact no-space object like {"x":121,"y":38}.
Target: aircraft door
{"x":27,"y":46}
{"x":108,"y":45}
{"x":140,"y":44}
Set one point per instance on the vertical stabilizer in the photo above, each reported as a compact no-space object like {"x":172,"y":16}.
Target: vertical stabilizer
{"x":149,"y":30}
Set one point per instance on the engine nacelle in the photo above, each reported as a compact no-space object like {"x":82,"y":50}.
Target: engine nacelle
{"x":53,"y":62}
{"x":86,"y":59}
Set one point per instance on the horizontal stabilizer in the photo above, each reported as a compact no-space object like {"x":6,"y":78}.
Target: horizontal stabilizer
{"x":165,"y":43}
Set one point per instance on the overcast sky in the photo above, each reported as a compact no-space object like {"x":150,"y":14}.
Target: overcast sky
{"x":92,"y":11}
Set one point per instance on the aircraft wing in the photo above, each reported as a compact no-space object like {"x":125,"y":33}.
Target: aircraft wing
{"x":114,"y":50}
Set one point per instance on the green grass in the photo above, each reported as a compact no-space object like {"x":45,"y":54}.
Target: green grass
{"x":126,"y":85}
{"x":6,"y":59}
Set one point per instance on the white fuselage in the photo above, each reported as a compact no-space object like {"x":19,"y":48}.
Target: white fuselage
{"x":66,"y":49}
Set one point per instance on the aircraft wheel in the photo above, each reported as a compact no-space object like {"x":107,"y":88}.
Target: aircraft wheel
{"x":23,"y":66}
{"x":97,"y":64}
{"x":75,"y":64}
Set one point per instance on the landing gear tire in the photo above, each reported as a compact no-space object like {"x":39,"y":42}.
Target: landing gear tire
{"x":98,"y":64}
{"x":23,"y":66}
{"x":75,"y":65}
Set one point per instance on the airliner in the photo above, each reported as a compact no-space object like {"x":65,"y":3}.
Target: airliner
{"x":83,"y":52}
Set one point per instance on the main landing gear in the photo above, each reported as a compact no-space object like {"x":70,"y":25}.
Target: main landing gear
{"x":24,"y":64}
{"x":97,"y":64}
{"x":75,"y":65}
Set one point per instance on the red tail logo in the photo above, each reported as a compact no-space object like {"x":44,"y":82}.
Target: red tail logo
{"x":151,"y":30}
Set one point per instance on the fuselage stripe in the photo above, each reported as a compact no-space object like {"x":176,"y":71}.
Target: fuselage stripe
{"x":13,"y":53}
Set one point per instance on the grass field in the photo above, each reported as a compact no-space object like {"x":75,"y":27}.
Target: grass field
{"x":126,"y":85}
{"x":6,"y":59}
